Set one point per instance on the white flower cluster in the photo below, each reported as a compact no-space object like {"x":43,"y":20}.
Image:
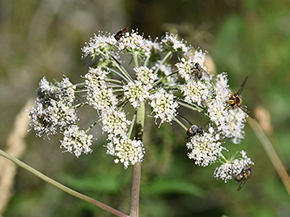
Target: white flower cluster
{"x":116,"y":89}
{"x":126,"y":150}
{"x":232,"y":167}
{"x":52,"y":109}
{"x":205,"y":149}
{"x":76,"y":141}
{"x":164,"y":106}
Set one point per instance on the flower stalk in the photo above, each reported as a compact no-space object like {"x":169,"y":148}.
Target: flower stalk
{"x":62,"y":187}
{"x":136,"y":177}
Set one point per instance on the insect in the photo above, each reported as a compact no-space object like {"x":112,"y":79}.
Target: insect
{"x":235,"y":99}
{"x":121,"y":33}
{"x":243,"y":176}
{"x":193,"y":130}
{"x":197,"y":70}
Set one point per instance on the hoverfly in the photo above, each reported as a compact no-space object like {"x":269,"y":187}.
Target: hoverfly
{"x":243,"y":176}
{"x":235,"y":99}
{"x":197,"y":70}
{"x":121,"y":33}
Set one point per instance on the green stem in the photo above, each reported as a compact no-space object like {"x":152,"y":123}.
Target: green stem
{"x":181,"y":124}
{"x":62,"y":187}
{"x":163,"y":60}
{"x":191,"y":106}
{"x":135,"y":57}
{"x":136,"y":177}
{"x":161,"y":79}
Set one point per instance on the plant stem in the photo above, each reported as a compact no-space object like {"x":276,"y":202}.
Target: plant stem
{"x":62,"y":187}
{"x":136,"y":176}
{"x":271,"y":153}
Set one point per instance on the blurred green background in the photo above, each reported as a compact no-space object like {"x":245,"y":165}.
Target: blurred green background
{"x":44,"y":38}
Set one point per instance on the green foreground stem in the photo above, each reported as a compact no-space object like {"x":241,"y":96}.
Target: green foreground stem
{"x":136,"y":177}
{"x":62,"y":187}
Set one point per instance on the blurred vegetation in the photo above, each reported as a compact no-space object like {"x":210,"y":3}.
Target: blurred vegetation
{"x":250,"y":37}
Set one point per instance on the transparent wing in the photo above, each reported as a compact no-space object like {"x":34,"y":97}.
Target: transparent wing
{"x":242,"y":86}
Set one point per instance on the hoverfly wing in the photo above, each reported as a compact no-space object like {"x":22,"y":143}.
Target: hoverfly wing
{"x":244,"y":109}
{"x":242,"y":86}
{"x":241,"y":184}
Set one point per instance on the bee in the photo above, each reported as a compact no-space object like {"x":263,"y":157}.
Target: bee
{"x":121,"y":33}
{"x":243,"y":176}
{"x":193,"y":130}
{"x":235,"y":99}
{"x":197,"y":70}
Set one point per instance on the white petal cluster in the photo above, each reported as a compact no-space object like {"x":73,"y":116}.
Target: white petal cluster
{"x":52,"y":109}
{"x":204,"y":149}
{"x":127,"y":151}
{"x":164,"y":106}
{"x":172,"y":42}
{"x":228,"y":121}
{"x":114,"y":122}
{"x":136,"y":92}
{"x":229,"y":169}
{"x":138,"y":43}
{"x":76,"y":141}
{"x":99,"y":95}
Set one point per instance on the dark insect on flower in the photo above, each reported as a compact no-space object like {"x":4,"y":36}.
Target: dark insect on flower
{"x":235,"y":99}
{"x":243,"y":176}
{"x":193,"y":130}
{"x":197,"y":71}
{"x":121,"y":33}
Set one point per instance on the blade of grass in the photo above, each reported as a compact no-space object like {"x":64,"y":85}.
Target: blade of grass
{"x":278,"y":165}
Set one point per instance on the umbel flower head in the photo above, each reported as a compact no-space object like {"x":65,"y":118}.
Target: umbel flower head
{"x":165,"y":75}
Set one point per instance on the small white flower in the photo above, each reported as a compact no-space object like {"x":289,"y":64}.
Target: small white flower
{"x":136,"y":92}
{"x":76,"y":141}
{"x":196,"y":91}
{"x":138,"y":43}
{"x":204,"y":149}
{"x":53,"y":108}
{"x":126,"y":150}
{"x":174,"y":43}
{"x":164,"y":106}
{"x":145,"y":75}
{"x":232,"y":167}
{"x":98,"y":43}
{"x":114,"y":121}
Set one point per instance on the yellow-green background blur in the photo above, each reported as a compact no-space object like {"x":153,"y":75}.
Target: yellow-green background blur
{"x":245,"y":38}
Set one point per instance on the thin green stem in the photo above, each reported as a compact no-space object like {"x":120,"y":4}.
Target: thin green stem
{"x":92,"y":125}
{"x":113,"y":80}
{"x":62,"y":187}
{"x":161,"y":79}
{"x":162,"y":61}
{"x":190,"y":106}
{"x":132,"y":125}
{"x":136,"y":177}
{"x":181,"y":124}
{"x":118,"y":65}
{"x":117,"y":73}
{"x":146,"y":61}
{"x":135,"y":57}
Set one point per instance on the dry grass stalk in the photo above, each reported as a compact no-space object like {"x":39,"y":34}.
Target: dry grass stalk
{"x":15,"y":146}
